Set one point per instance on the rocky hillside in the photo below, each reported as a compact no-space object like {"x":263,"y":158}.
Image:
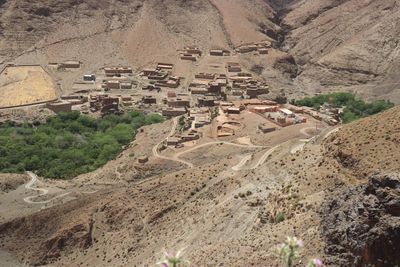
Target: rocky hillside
{"x":231,"y":218}
{"x":346,"y":44}
{"x":362,"y":225}
{"x":324,"y":45}
{"x":368,"y":146}
{"x":27,"y":25}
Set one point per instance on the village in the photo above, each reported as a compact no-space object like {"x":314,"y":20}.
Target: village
{"x":209,"y":104}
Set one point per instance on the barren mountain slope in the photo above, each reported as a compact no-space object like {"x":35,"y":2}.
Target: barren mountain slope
{"x":337,"y":45}
{"x":349,"y":44}
{"x":167,"y":26}
{"x":152,"y":28}
{"x":26,"y":24}
{"x":244,"y":20}
{"x":221,"y":216}
{"x":131,"y":32}
{"x":368,"y":146}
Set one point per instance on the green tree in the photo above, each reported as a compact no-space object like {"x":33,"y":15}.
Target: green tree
{"x":68,"y":144}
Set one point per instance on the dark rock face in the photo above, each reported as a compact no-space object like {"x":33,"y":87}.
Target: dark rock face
{"x":287,"y":65}
{"x":361,"y":225}
{"x":41,"y":238}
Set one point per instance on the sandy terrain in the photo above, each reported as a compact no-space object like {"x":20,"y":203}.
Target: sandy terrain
{"x":328,"y":53}
{"x":212,"y":171}
{"x":24,"y":85}
{"x":242,"y":19}
{"x":218,"y":198}
{"x":222,"y":209}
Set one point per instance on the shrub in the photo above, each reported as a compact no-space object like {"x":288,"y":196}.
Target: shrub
{"x":289,"y":251}
{"x":280,"y":217}
{"x":173,"y":259}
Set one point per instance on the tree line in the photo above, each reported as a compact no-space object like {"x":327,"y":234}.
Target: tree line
{"x":67,"y":144}
{"x":354,"y":108}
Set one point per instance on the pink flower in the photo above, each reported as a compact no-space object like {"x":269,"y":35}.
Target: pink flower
{"x":317,"y":262}
{"x":299,"y":242}
{"x":170,"y":255}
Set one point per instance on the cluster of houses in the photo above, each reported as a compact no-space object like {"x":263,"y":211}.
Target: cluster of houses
{"x":96,"y":102}
{"x":250,"y":87}
{"x":66,"y":103}
{"x":208,"y":84}
{"x":280,"y":115}
{"x":232,"y":92}
{"x":261,"y":48}
{"x":115,"y":78}
{"x":161,"y":76}
{"x":177,"y":140}
{"x":326,"y":113}
{"x":176,"y":105}
{"x":191,"y":53}
{"x":219,"y":52}
{"x":199,"y":117}
{"x":104,"y":103}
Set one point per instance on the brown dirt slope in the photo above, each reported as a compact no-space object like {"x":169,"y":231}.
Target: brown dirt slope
{"x":220,"y":216}
{"x":369,"y":145}
{"x":336,"y":45}
{"x":66,"y":229}
{"x":9,"y":182}
{"x":351,"y":44}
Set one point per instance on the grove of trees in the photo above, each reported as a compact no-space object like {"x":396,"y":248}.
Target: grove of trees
{"x":68,"y":144}
{"x":354,"y":108}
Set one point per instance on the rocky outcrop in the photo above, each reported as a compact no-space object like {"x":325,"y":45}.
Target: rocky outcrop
{"x":287,"y":65}
{"x":43,"y":237}
{"x":361,"y":225}
{"x":76,"y":236}
{"x":9,"y":182}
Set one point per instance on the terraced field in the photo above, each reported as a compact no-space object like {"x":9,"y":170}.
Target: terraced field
{"x":25,"y":85}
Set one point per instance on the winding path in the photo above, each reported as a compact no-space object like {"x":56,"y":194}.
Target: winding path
{"x":42,"y":191}
{"x":332,"y":132}
{"x":264,"y":157}
{"x":243,"y":161}
{"x":240,"y":165}
{"x":260,"y":162}
{"x":299,"y":147}
{"x":158,"y":155}
{"x":177,"y":155}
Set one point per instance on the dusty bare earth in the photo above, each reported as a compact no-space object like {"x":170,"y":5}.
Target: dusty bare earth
{"x":317,"y":45}
{"x":346,"y":45}
{"x":25,"y":85}
{"x":221,"y":215}
{"x":218,"y":198}
{"x":9,"y":182}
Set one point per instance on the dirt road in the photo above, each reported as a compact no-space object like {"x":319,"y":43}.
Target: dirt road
{"x":42,"y":191}
{"x":157,"y":154}
{"x":177,"y":155}
{"x":240,"y":165}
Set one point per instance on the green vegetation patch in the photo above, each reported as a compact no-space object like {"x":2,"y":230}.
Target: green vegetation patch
{"x":354,"y":108}
{"x":280,"y":217}
{"x":68,"y":144}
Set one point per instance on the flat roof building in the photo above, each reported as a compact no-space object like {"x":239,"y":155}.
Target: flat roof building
{"x":173,"y":112}
{"x":286,"y":112}
{"x":178,"y":102}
